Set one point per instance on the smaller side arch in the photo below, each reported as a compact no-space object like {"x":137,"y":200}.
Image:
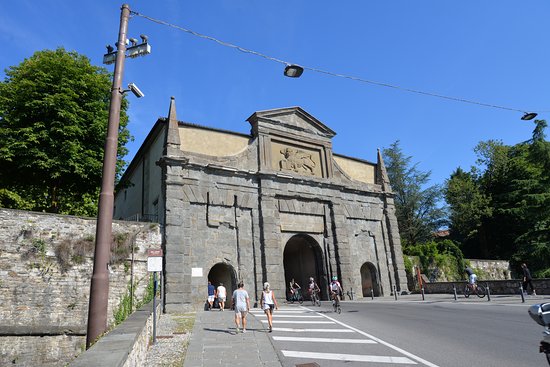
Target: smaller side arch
{"x":223,"y":273}
{"x":369,"y":280}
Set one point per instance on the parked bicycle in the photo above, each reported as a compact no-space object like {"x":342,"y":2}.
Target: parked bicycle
{"x":476,"y":289}
{"x":315,"y":298}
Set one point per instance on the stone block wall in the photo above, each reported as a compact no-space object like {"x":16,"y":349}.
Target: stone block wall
{"x":46,"y":264}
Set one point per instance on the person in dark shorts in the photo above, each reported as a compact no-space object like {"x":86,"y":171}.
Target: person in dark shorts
{"x":527,"y":278}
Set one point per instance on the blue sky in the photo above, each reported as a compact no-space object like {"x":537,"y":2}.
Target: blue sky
{"x":493,"y":52}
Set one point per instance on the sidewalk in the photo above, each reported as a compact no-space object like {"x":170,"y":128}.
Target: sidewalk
{"x":214,"y":342}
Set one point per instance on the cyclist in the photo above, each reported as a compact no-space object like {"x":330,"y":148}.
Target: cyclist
{"x":335,"y":289}
{"x":312,"y":287}
{"x":472,"y":278}
{"x":294,"y":290}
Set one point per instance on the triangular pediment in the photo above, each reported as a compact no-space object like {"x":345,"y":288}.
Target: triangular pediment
{"x":291,"y":120}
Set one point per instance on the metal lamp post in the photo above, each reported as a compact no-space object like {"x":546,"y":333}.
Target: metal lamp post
{"x":99,"y":288}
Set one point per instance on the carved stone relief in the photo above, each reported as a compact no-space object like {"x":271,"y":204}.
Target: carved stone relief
{"x":298,"y":160}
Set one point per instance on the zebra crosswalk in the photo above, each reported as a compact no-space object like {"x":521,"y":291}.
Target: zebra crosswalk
{"x":303,"y":335}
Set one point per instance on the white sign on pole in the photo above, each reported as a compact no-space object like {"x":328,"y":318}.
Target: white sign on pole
{"x":154,"y":260}
{"x":154,"y":263}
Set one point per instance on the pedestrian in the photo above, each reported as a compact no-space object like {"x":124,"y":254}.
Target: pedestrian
{"x":241,"y":302}
{"x":527,"y":278}
{"x":222,"y":293}
{"x":268,"y":302}
{"x":211,"y":293}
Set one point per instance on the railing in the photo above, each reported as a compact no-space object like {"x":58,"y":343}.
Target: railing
{"x":142,"y":218}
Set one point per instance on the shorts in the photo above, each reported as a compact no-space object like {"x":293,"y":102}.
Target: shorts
{"x":473,"y":278}
{"x":221,"y":299}
{"x":240,"y":311}
{"x":211,"y":298}
{"x":268,"y":307}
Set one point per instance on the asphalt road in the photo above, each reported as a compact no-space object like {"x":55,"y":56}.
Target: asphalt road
{"x":430,"y":333}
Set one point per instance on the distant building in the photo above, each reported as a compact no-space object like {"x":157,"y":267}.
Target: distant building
{"x":270,"y":206}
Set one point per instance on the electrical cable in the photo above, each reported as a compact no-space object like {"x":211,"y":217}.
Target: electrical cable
{"x":381,"y":84}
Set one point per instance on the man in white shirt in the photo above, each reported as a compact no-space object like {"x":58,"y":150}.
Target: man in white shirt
{"x":221,"y":294}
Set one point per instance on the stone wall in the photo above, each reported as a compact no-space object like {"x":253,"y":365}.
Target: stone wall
{"x":46,"y":264}
{"x":492,"y":269}
{"x":126,"y":345}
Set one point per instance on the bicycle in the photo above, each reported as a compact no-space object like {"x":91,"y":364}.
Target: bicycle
{"x":315,"y":298}
{"x":336,"y":303}
{"x":296,"y":296}
{"x":475,"y":288}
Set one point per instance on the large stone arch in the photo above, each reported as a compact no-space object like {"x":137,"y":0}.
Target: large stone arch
{"x":223,"y":273}
{"x":369,"y":280}
{"x":303,"y":258}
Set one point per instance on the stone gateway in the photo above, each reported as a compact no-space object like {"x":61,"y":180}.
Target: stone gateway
{"x":271,"y":206}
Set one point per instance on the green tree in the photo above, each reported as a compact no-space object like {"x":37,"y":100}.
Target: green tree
{"x":501,"y":208}
{"x":417,"y":206}
{"x":468,"y":209}
{"x":53,"y":123}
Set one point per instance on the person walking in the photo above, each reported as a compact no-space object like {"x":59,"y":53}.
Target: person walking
{"x":211,"y":292}
{"x":222,"y":294}
{"x":241,"y":303}
{"x":527,"y":278}
{"x":268,"y":302}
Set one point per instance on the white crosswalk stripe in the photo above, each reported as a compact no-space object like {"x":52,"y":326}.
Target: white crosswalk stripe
{"x":323,"y":340}
{"x":276,"y":322}
{"x":298,"y":330}
{"x":348,"y":357}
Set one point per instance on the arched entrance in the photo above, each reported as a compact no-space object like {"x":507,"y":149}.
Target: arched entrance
{"x":369,"y":280}
{"x":303,"y":258}
{"x":223,"y":273}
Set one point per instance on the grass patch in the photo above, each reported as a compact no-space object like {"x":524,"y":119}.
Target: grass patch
{"x":184,"y":322}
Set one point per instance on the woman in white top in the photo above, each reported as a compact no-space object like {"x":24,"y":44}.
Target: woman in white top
{"x":268,"y":302}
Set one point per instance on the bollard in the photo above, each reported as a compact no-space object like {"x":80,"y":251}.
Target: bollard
{"x":422,"y":290}
{"x":521,"y":292}
{"x":395,"y":292}
{"x":372,"y":294}
{"x":154,"y":307}
{"x":454,"y":291}
{"x":488,"y":292}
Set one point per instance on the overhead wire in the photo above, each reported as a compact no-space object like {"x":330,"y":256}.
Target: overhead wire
{"x":362,"y":80}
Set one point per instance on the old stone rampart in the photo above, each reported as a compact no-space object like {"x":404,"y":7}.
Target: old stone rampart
{"x":126,"y":345}
{"x":46,"y":264}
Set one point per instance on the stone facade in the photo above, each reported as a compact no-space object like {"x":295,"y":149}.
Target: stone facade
{"x":276,"y":206}
{"x":45,"y":270}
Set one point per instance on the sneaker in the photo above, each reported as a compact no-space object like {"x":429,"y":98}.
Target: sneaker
{"x":244,"y":331}
{"x":237,"y":331}
{"x":534,"y":293}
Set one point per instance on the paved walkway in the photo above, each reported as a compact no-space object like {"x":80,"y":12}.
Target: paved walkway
{"x":214,"y":342}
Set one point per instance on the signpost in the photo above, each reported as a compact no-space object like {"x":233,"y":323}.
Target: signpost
{"x":154,"y":264}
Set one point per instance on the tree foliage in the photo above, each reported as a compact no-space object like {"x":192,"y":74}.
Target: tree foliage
{"x":417,"y":206}
{"x":501,"y":208}
{"x":53,"y":123}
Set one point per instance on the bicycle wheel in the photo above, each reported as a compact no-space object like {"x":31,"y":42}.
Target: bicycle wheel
{"x":338,"y":308}
{"x":300,"y":298}
{"x":317,"y":300}
{"x":466,"y":292}
{"x":480,"y":291}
